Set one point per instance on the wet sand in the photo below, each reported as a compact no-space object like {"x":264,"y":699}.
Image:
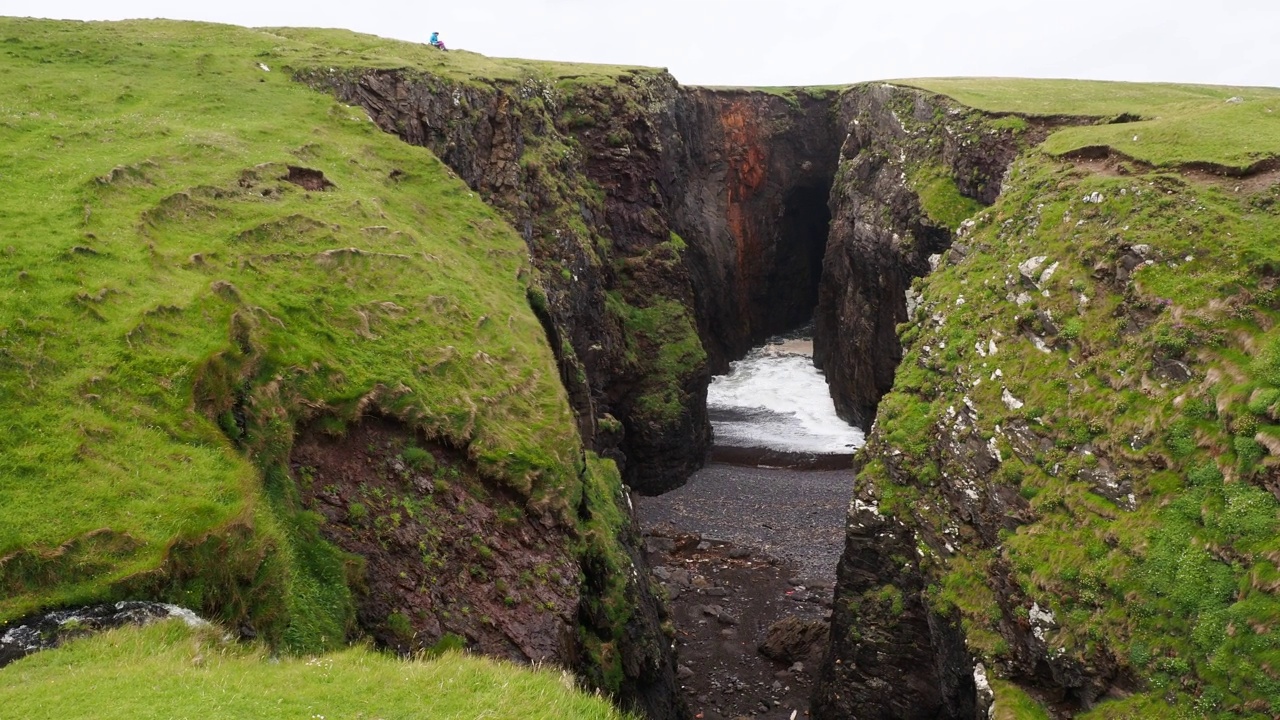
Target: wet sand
{"x":794,"y":515}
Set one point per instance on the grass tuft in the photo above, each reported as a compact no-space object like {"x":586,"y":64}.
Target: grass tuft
{"x":167,"y":670}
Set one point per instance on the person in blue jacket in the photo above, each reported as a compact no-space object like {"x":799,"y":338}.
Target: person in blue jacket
{"x":435,"y":41}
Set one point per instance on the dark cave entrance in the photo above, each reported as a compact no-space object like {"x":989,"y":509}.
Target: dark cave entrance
{"x":790,"y":292}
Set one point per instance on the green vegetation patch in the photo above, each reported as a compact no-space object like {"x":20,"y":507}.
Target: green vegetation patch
{"x":941,"y":199}
{"x":1163,"y":124}
{"x":196,"y":254}
{"x":664,"y":347}
{"x":1112,"y":339}
{"x":1012,"y":703}
{"x":167,"y":670}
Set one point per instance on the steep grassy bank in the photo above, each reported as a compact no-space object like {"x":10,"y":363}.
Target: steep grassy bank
{"x":168,"y":671}
{"x":199,"y":255}
{"x":1078,"y":447}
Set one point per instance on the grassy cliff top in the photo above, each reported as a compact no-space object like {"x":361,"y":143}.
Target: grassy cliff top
{"x":343,"y":48}
{"x":168,"y":670}
{"x":196,"y":253}
{"x":1158,"y":123}
{"x":1108,"y":332}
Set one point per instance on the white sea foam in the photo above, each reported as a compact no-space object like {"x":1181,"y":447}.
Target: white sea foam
{"x":778,"y":402}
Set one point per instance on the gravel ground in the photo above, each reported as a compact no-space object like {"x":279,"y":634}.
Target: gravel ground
{"x":794,"y":515}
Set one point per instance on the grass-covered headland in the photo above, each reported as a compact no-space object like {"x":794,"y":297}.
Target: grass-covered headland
{"x":1094,"y":381}
{"x":197,"y":256}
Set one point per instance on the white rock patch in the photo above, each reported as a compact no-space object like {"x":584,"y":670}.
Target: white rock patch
{"x":1010,"y":401}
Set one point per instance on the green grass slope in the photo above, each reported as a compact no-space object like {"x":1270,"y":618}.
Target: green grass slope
{"x":171,"y":306}
{"x":1164,"y":124}
{"x":1179,"y":583}
{"x":169,"y":671}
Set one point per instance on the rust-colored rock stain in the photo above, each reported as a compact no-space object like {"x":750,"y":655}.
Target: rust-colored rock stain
{"x":747,"y":159}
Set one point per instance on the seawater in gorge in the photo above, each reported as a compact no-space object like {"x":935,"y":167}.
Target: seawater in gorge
{"x":750,"y":543}
{"x":775,"y":401}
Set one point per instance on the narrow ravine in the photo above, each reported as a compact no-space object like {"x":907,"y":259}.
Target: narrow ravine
{"x":747,"y":549}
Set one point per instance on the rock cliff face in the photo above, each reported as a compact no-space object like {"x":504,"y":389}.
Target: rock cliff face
{"x":751,"y":202}
{"x":661,"y":221}
{"x":579,"y":171}
{"x":904,"y":149}
{"x":913,"y":167}
{"x":1070,"y":482}
{"x":891,"y":656}
{"x":674,"y":228}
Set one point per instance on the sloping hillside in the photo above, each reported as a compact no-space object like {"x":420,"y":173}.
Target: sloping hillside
{"x":200,"y":258}
{"x":1076,"y":464}
{"x":168,"y":670}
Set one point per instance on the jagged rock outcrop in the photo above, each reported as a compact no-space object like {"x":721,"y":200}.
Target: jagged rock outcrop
{"x":667,"y":223}
{"x":900,"y":142}
{"x":913,"y":163}
{"x":754,"y":177}
{"x":891,"y":656}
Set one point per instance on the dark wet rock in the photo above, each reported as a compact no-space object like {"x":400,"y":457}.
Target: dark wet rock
{"x":49,"y":630}
{"x":890,"y":659}
{"x":794,"y":639}
{"x":719,"y":613}
{"x":656,"y":544}
{"x":881,"y":238}
{"x":1171,"y":370}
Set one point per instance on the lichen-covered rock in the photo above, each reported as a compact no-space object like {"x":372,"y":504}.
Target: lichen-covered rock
{"x":1067,"y":470}
{"x":914,"y":166}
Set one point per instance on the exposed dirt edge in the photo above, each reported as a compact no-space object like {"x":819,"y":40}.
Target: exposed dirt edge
{"x":1106,"y":152}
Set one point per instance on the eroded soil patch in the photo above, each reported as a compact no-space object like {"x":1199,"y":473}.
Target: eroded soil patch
{"x":449,"y":556}
{"x":1258,"y":178}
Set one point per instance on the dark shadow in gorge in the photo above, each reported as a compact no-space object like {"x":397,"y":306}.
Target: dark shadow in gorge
{"x":754,"y":172}
{"x":789,"y":295}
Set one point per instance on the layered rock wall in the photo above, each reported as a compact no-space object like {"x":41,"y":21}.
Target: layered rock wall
{"x":755,"y":174}
{"x":899,"y":139}
{"x":912,"y":166}
{"x":661,"y":221}
{"x":674,"y":229}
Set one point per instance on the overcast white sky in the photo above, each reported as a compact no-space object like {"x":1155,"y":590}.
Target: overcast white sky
{"x":755,"y":42}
